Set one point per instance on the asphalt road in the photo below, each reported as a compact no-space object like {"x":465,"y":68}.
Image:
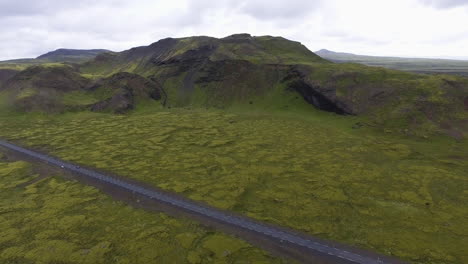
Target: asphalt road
{"x":341,"y":255}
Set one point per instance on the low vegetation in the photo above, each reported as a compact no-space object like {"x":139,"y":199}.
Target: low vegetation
{"x":234,"y":122}
{"x":46,"y":219}
{"x":420,"y":65}
{"x":398,"y":195}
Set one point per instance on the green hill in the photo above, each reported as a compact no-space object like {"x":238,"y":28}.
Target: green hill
{"x":57,"y":89}
{"x":267,"y":73}
{"x":262,"y":126}
{"x":71,"y":55}
{"x":58,"y":56}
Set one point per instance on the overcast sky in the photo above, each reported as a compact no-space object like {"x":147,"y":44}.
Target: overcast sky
{"x":419,"y":28}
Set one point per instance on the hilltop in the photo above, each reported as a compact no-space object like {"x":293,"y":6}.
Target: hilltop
{"x":56,"y":56}
{"x":263,"y":127}
{"x":272,"y":73}
{"x":71,"y":55}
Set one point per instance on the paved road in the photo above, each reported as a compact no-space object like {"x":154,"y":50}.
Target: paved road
{"x":243,"y":223}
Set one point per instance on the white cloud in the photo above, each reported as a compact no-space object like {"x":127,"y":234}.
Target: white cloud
{"x":445,"y":3}
{"x":274,"y":10}
{"x":398,"y":27}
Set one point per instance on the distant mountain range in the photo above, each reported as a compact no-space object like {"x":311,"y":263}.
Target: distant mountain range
{"x":419,"y":65}
{"x":60,"y":55}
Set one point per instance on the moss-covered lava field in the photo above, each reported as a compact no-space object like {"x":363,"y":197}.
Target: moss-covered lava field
{"x":319,"y":173}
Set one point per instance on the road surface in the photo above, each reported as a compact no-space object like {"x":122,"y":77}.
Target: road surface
{"x":310,"y":245}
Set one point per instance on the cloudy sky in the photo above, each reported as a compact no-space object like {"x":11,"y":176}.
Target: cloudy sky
{"x":421,"y":28}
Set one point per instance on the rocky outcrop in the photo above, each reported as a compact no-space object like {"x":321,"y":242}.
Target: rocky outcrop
{"x":61,"y":78}
{"x":123,"y":90}
{"x":41,"y":88}
{"x":6,"y":74}
{"x":322,"y":98}
{"x":119,"y":103}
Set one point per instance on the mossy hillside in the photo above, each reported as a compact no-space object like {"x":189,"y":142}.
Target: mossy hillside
{"x":82,"y":98}
{"x":50,"y":220}
{"x":121,"y":92}
{"x":288,"y":52}
{"x":240,"y":69}
{"x":42,"y":88}
{"x":398,"y":195}
{"x":62,"y":89}
{"x":13,"y":66}
{"x":396,"y":101}
{"x":20,"y":66}
{"x":54,"y":58}
{"x":220,"y":73}
{"x":70,"y":55}
{"x":59,"y":76}
{"x":258,"y":50}
{"x":6,"y":74}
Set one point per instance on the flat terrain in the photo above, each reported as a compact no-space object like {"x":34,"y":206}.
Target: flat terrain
{"x":47,"y":219}
{"x":279,"y":240}
{"x":419,"y":65}
{"x":397,"y":195}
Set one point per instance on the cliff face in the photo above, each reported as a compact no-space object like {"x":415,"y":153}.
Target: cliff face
{"x":6,"y":74}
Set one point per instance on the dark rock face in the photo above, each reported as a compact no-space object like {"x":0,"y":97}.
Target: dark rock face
{"x":317,"y":99}
{"x":138,"y":85}
{"x":63,"y":79}
{"x":189,"y":57}
{"x":323,"y":99}
{"x":124,"y":90}
{"x":119,"y":103}
{"x":155,"y":50}
{"x":104,"y":57}
{"x":239,"y":36}
{"x":223,"y":70}
{"x":6,"y":74}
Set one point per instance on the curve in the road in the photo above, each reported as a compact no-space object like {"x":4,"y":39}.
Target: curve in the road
{"x":243,"y":223}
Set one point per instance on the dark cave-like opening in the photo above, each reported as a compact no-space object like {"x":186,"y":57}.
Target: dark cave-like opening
{"x":312,"y":96}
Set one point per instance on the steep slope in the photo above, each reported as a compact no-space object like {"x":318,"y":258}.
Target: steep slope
{"x":167,"y":52}
{"x":62,"y":88}
{"x":271,"y":73}
{"x":122,"y":91}
{"x":205,"y":71}
{"x":41,"y":88}
{"x":391,"y":100}
{"x":6,"y":74}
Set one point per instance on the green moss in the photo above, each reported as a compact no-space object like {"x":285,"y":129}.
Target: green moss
{"x":26,"y":93}
{"x":222,"y":246}
{"x":79,"y":98}
{"x":308,"y":170}
{"x":66,"y":222}
{"x":186,"y":239}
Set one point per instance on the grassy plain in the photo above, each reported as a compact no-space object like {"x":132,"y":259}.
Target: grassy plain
{"x":420,"y":65}
{"x":52,"y":220}
{"x":399,"y":195}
